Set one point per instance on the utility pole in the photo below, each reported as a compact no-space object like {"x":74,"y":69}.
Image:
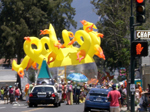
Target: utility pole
{"x":140,"y":18}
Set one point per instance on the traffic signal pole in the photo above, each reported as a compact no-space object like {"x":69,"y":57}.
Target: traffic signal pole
{"x":140,"y":18}
{"x":132,"y":61}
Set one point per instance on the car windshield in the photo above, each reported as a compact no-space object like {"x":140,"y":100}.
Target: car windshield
{"x":43,"y":89}
{"x":99,"y":92}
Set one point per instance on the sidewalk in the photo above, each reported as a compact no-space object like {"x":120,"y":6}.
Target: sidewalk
{"x":1,"y":102}
{"x":124,"y":109}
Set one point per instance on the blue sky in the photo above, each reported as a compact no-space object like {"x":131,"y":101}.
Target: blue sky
{"x":84,"y":11}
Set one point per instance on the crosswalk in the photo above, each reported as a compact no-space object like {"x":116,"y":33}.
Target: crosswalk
{"x":14,"y":105}
{"x":2,"y":107}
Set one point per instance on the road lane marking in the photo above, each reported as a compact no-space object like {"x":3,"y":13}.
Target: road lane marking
{"x":32,"y":110}
{"x":19,"y":107}
{"x":2,"y":107}
{"x":35,"y":109}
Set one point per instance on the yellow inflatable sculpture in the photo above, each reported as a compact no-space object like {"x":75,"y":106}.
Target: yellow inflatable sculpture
{"x":58,"y":54}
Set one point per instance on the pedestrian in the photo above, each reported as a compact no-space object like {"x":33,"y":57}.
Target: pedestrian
{"x":73,"y":87}
{"x":64,"y":96}
{"x":60,"y":90}
{"x":11,"y":95}
{"x":86,"y":88}
{"x":148,"y":88}
{"x":137,"y":94}
{"x":2,"y":93}
{"x":77,"y":93}
{"x":29,"y":91}
{"x":17,"y":94}
{"x":6,"y":93}
{"x":82,"y":96}
{"x":71,"y":93}
{"x":107,"y":86}
{"x":120,"y":89}
{"x":68,"y":91}
{"x":114,"y":98}
{"x":140,"y":89}
{"x":30,"y":87}
{"x":125,"y":93}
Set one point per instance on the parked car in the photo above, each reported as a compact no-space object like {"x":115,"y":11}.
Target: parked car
{"x":97,"y":99}
{"x":44,"y":94}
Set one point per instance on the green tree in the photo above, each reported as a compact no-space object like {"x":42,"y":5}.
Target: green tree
{"x":114,"y":24}
{"x":20,"y":18}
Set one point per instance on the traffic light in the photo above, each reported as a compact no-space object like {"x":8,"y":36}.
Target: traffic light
{"x":139,"y":48}
{"x":140,"y":11}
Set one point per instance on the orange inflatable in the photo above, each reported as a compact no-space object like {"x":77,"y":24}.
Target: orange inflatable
{"x":26,"y":89}
{"x":20,"y":72}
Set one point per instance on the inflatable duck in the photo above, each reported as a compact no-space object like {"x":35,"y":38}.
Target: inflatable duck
{"x":57,"y":54}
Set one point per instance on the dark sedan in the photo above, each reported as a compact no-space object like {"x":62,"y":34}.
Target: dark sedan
{"x":97,"y":99}
{"x":44,"y":94}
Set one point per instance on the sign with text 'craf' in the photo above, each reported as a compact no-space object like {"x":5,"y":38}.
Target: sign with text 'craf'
{"x":142,"y":34}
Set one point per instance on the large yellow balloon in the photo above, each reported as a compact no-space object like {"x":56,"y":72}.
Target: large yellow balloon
{"x":58,"y":54}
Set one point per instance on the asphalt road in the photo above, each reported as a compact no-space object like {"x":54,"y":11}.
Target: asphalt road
{"x":41,"y":108}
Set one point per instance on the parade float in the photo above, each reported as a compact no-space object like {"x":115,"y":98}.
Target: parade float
{"x":61,"y":55}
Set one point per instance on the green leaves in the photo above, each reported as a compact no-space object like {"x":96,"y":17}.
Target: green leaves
{"x":114,"y":24}
{"x":20,"y":18}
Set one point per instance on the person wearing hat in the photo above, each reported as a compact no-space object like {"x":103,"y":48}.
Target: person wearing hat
{"x":114,"y":97}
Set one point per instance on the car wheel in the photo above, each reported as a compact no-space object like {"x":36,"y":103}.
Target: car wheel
{"x":30,"y":104}
{"x":86,"y":109}
{"x":55,"y":104}
{"x":35,"y":105}
{"x":59,"y":104}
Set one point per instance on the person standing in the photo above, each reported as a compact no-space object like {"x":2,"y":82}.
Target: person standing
{"x":29,"y":91}
{"x":77,"y":93}
{"x":140,"y":89}
{"x":68,"y":91}
{"x":2,"y":93}
{"x":60,"y":90}
{"x":11,"y":95}
{"x":120,"y":89}
{"x":114,"y":97}
{"x":17,"y":94}
{"x":6,"y":93}
{"x":148,"y":88}
{"x":137,"y":94}
{"x":64,"y":96}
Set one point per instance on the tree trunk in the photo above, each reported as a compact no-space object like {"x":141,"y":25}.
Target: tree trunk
{"x":18,"y":78}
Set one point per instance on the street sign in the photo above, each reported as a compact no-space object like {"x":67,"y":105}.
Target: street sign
{"x":142,"y":34}
{"x":132,"y":87}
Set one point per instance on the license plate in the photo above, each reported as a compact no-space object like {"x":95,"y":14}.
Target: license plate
{"x":98,"y":99}
{"x":41,"y":95}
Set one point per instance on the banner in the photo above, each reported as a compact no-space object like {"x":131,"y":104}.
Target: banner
{"x":122,"y":71}
{"x":61,"y":72}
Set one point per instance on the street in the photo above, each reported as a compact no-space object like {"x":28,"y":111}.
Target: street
{"x":42,"y":108}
